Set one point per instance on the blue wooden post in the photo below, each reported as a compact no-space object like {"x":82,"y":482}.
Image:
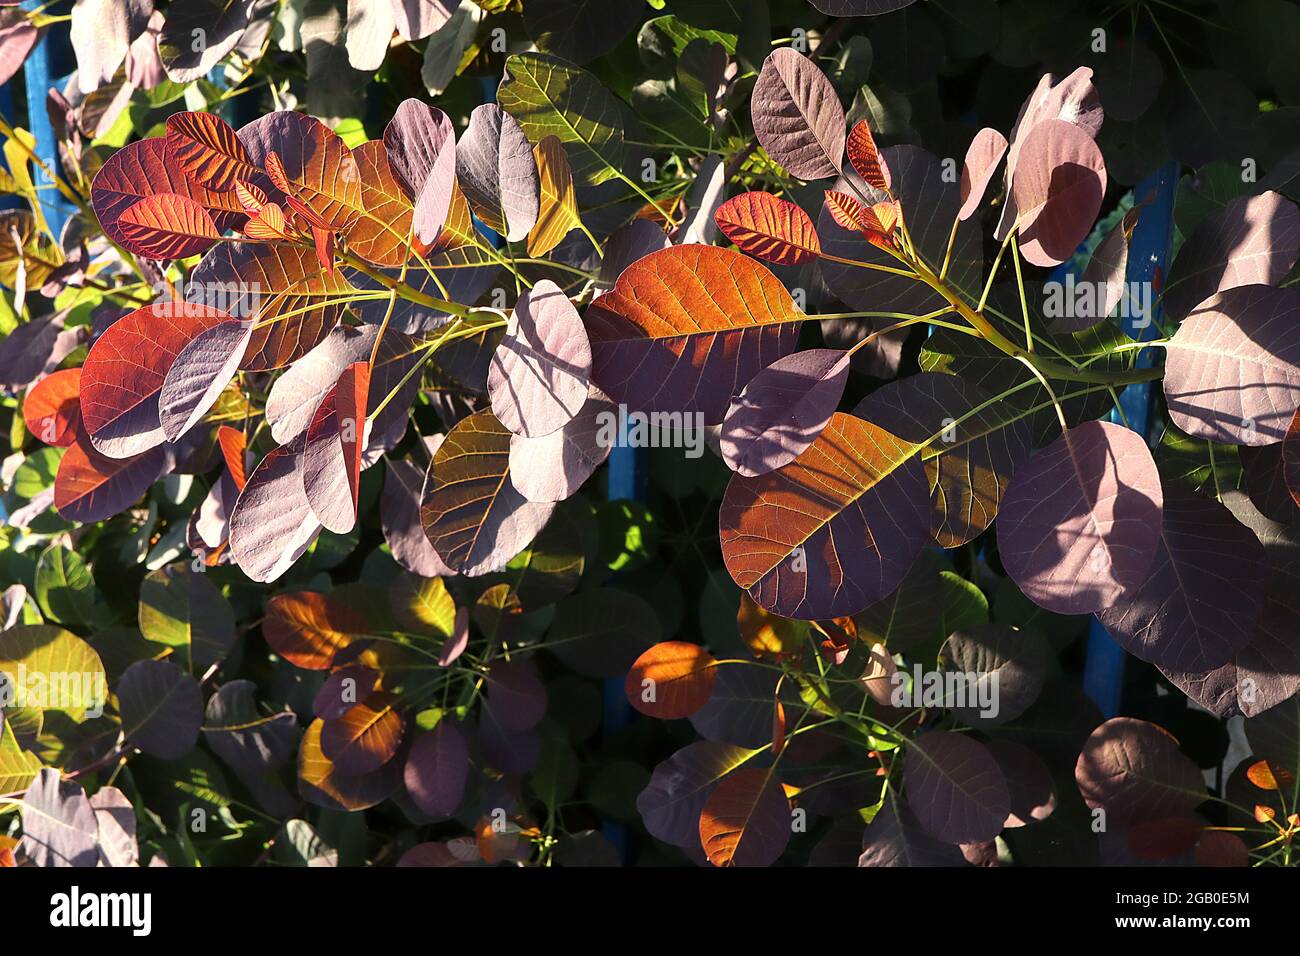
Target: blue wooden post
{"x":1103,"y":674}
{"x":47,"y":66}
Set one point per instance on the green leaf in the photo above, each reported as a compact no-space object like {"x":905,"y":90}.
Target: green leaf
{"x":963,"y":604}
{"x":552,"y":97}
{"x":66,"y":592}
{"x":665,"y":37}
{"x":1207,"y":466}
{"x":186,"y":612}
{"x":423,"y":606}
{"x":55,"y":670}
{"x":17,"y":766}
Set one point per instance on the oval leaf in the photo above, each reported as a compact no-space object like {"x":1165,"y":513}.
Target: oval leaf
{"x":1080,"y":520}
{"x":835,"y":530}
{"x":671,"y":680}
{"x":797,"y":115}
{"x":471,"y":511}
{"x":685,"y":328}
{"x":538,"y":377}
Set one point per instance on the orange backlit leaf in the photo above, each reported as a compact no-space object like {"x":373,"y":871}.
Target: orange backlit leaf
{"x":865,"y":158}
{"x":672,"y":679}
{"x":308,"y":629}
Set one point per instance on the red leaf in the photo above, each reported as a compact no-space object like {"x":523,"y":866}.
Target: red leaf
{"x":353,"y":392}
{"x":52,"y":408}
{"x":90,"y":487}
{"x":318,"y":175}
{"x":365,"y":738}
{"x":768,"y":228}
{"x":778,"y":728}
{"x":208,"y":151}
{"x":139,"y":170}
{"x":268,"y":224}
{"x":250,"y":197}
{"x":847,"y":212}
{"x":866,"y":158}
{"x":746,"y":820}
{"x":234,"y":444}
{"x":323,"y":239}
{"x":167,"y":226}
{"x":125,"y":371}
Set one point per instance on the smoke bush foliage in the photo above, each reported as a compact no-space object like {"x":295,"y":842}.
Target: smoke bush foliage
{"x":309,"y":558}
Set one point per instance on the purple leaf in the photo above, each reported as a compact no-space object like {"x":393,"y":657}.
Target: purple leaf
{"x":782,"y":410}
{"x":1135,"y":771}
{"x":421,"y":146}
{"x":671,"y":803}
{"x":539,"y":373}
{"x":101,"y":32}
{"x":90,"y":487}
{"x":1029,"y":782}
{"x":1266,"y":671}
{"x":982,"y":159}
{"x":345,"y":687}
{"x":59,"y":825}
{"x":35,"y":348}
{"x":1252,"y":240}
{"x":416,"y":19}
{"x":1009,"y":667}
{"x":297,"y":393}
{"x":515,"y":697}
{"x":628,"y":243}
{"x":833,"y":531}
{"x":198,"y":375}
{"x":162,"y":708}
{"x":369,"y":30}
{"x":739,"y":709}
{"x":554,"y":467}
{"x":116,"y":820}
{"x":1074,"y":99}
{"x":498,"y":172}
{"x":895,"y":838}
{"x":1264,"y":471}
{"x":955,"y":787}
{"x":1232,"y":371}
{"x":252,"y":743}
{"x":1059,"y":183}
{"x":457,"y":641}
{"x":860,"y":8}
{"x":797,"y":115}
{"x":324,"y":470}
{"x":399,"y":514}
{"x":977,"y":451}
{"x":1196,"y":609}
{"x":18,"y":35}
{"x":505,"y":750}
{"x":272,"y":523}
{"x":436,"y":770}
{"x":1080,"y":522}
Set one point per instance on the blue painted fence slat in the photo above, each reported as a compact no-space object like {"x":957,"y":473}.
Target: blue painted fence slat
{"x":1103,"y":673}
